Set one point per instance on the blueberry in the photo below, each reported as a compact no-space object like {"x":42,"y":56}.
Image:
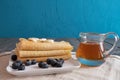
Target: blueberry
{"x":58,"y":64}
{"x":53,"y":63}
{"x":40,"y":64}
{"x":15,"y":65}
{"x":19,"y":61}
{"x":14,"y":57}
{"x":28,"y":63}
{"x":22,"y":67}
{"x":49,"y":60}
{"x":43,"y":65}
{"x":33,"y":62}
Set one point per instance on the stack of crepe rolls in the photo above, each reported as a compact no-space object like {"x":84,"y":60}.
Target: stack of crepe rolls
{"x":42,"y":49}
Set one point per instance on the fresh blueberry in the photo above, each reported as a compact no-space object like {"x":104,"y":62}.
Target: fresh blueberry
{"x":49,"y":60}
{"x":58,"y":64}
{"x":53,"y":63}
{"x":19,"y":61}
{"x":40,"y":64}
{"x":14,"y":57}
{"x":28,"y":63}
{"x":22,"y":67}
{"x":15,"y":65}
{"x":33,"y":62}
{"x":43,"y":65}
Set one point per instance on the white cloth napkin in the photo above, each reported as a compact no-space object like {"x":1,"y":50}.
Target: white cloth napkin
{"x":110,"y":70}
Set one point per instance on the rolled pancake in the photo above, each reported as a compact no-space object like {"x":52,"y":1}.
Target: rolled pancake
{"x":28,"y":45}
{"x":65,"y":57}
{"x":42,"y":53}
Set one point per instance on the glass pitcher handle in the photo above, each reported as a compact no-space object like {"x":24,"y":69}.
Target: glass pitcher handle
{"x":116,"y":38}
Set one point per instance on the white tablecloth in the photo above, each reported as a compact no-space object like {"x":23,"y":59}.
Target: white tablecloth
{"x":110,"y":70}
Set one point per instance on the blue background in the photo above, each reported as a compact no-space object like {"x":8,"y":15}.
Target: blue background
{"x":58,"y":18}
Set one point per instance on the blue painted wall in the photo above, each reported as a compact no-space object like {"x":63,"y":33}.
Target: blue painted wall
{"x":58,"y":18}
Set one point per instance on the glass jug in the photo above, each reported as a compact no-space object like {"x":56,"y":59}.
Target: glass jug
{"x":91,"y":49}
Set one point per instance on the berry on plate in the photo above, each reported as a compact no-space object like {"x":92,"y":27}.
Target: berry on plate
{"x":33,"y":62}
{"x":15,"y":65}
{"x":53,"y":63}
{"x":14,"y":57}
{"x":43,"y":65}
{"x":22,"y":67}
{"x":49,"y":60}
{"x":58,"y":64}
{"x":28,"y":63}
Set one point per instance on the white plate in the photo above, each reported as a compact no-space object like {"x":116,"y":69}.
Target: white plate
{"x":68,"y":66}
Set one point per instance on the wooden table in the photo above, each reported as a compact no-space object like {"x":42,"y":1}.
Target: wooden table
{"x":8,"y":44}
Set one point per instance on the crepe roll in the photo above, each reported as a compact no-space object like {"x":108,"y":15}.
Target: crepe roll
{"x":65,"y":57}
{"x":42,"y":53}
{"x":39,"y":45}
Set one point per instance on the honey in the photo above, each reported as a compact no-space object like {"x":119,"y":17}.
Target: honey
{"x":90,"y":51}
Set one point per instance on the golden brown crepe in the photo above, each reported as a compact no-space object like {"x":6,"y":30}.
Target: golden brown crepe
{"x":28,"y":45}
{"x":43,"y":53}
{"x":68,"y":56}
